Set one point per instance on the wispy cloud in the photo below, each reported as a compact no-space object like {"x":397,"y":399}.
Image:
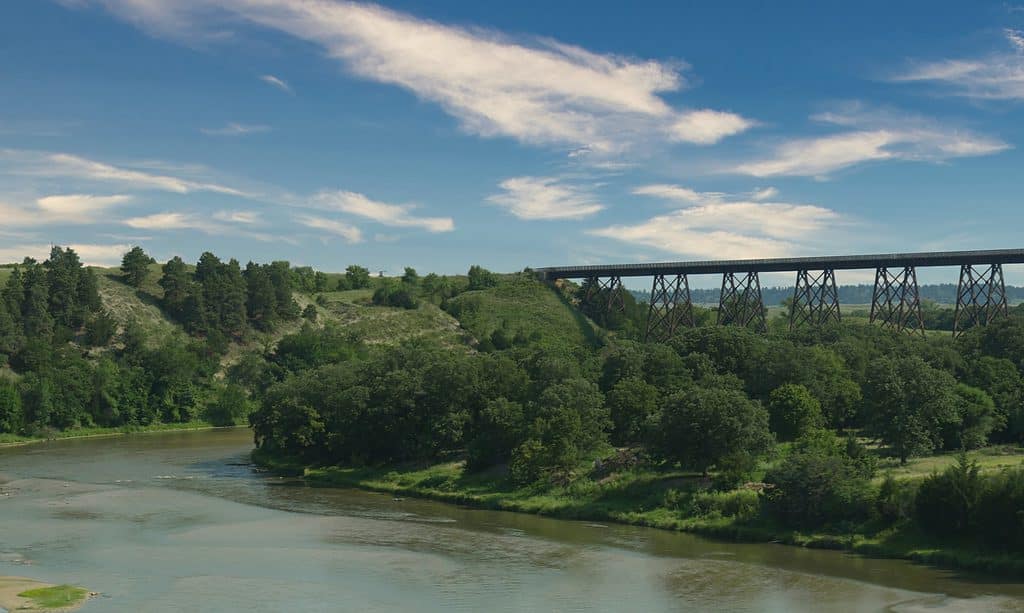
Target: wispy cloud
{"x":91,"y":254}
{"x":677,"y":193}
{"x":397,"y":215}
{"x":235,"y":129}
{"x":64,"y":209}
{"x":241,"y":217}
{"x":714,"y":228}
{"x":998,"y":76}
{"x":164,"y":221}
{"x":43,"y":164}
{"x":279,"y":83}
{"x":350,"y":233}
{"x":871,"y":136}
{"x":544,"y":198}
{"x":538,"y":91}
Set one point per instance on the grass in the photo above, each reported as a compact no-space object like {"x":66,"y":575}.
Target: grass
{"x":672,"y":500}
{"x":378,"y":325}
{"x":17,"y":439}
{"x":521,"y":303}
{"x":989,"y":459}
{"x":56,"y":597}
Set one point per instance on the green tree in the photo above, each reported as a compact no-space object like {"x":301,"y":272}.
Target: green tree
{"x":703,"y":428}
{"x":177,"y":288}
{"x":481,"y":278}
{"x":909,"y":404}
{"x":793,"y":411}
{"x":261,"y":299}
{"x":11,"y":417}
{"x":977,"y":418}
{"x":228,"y":404}
{"x":357,"y":277}
{"x":633,"y":403}
{"x":410,"y":277}
{"x":135,"y":266}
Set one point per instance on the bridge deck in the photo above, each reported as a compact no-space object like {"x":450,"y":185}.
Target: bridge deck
{"x":837,"y":262}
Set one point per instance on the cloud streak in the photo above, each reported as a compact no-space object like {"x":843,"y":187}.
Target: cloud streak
{"x":280,"y":84}
{"x":544,"y":198}
{"x":235,"y":129}
{"x":396,"y":215}
{"x":350,"y":233}
{"x":535,"y":90}
{"x":65,"y":209}
{"x":716,"y":228}
{"x":869,"y":136}
{"x":999,"y":76}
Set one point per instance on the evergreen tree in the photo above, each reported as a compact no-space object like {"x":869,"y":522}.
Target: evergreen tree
{"x":261,"y":299}
{"x":135,"y":266}
{"x":177,"y":287}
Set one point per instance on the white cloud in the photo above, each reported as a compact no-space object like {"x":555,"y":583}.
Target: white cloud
{"x":276,"y":82}
{"x":163,"y":221}
{"x":544,"y":198}
{"x":874,"y":135}
{"x":350,"y":233}
{"x":242,"y":217}
{"x":90,"y":254}
{"x":66,"y":165}
{"x":396,"y":215}
{"x":999,"y":76}
{"x":678,"y":193}
{"x":538,"y":91}
{"x":235,"y":129}
{"x":61,"y":209}
{"x":725,"y":229}
{"x":707,"y":127}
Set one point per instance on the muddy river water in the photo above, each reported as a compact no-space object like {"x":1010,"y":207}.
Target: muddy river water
{"x":183,"y":522}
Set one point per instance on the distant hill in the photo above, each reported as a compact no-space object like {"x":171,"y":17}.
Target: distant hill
{"x":944,"y":293}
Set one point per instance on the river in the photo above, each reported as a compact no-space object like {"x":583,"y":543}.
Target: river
{"x":182,"y":521}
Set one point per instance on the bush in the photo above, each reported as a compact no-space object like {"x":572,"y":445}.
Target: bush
{"x":527,"y":463}
{"x":1000,"y":510}
{"x":229,"y":404}
{"x":819,"y":483}
{"x":946,"y":502}
{"x":895,"y":501}
{"x":740,"y":504}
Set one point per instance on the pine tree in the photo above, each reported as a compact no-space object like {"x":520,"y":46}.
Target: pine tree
{"x":135,"y":266}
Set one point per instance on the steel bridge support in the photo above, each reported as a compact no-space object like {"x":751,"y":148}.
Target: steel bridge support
{"x":980,"y":297}
{"x":896,"y":302}
{"x":670,"y":307}
{"x":740,"y":302}
{"x":609,"y":292}
{"x":815,"y":299}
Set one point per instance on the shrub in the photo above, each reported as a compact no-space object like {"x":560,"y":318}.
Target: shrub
{"x":819,"y":483}
{"x":946,"y":502}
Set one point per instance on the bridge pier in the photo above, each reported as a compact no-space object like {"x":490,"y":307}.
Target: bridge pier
{"x":896,"y":302}
{"x":609,"y":292}
{"x":740,"y":301}
{"x":670,"y":306}
{"x":815,"y":299}
{"x":980,"y":297}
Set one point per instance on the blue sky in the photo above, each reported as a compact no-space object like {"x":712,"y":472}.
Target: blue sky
{"x":442,"y":134}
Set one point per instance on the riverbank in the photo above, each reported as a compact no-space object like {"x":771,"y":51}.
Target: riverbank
{"x":673,"y":500}
{"x":13,"y":440}
{"x":21,"y":594}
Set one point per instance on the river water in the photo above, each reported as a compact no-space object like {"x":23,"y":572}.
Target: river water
{"x":182,"y":521}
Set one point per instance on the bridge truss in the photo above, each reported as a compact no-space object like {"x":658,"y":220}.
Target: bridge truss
{"x":896,"y":302}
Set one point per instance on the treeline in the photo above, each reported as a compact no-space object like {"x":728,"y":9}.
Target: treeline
{"x":914,"y":395}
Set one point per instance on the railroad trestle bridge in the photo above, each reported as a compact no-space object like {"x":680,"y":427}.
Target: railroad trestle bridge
{"x":895,"y":302}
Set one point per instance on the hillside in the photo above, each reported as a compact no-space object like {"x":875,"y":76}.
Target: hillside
{"x":521,"y":304}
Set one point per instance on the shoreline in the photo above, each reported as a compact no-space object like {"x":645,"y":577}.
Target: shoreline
{"x":115,"y":432}
{"x":911,"y":547}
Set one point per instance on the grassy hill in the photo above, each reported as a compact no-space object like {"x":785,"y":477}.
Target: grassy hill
{"x":520,"y":303}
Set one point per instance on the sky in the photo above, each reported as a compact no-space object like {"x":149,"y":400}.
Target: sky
{"x":443,"y":134}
